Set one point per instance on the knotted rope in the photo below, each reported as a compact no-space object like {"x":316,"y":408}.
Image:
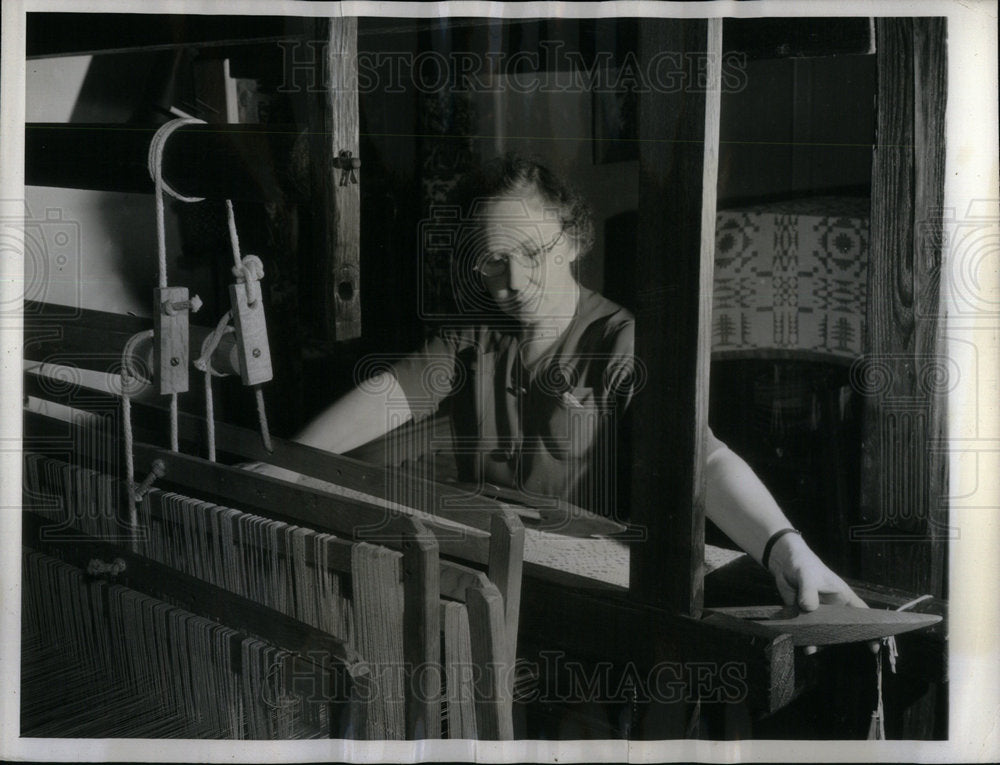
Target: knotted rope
{"x":248,"y":271}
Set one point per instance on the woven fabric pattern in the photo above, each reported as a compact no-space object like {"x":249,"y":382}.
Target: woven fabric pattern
{"x":792,"y":277}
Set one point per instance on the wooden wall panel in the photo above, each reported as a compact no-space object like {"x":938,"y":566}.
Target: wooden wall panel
{"x":903,"y":536}
{"x":334,"y":126}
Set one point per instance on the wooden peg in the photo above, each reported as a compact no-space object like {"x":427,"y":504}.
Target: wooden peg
{"x":422,"y":633}
{"x":157,"y":470}
{"x":171,"y":352}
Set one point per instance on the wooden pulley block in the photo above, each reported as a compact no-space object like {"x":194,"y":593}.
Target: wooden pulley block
{"x":251,"y":336}
{"x":171,"y":350}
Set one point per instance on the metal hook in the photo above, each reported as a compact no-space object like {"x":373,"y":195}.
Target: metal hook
{"x":349,"y":165}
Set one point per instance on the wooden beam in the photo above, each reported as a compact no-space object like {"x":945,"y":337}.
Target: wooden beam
{"x":275,"y":498}
{"x":78,"y":34}
{"x":422,"y":634}
{"x":678,"y":139}
{"x":239,"y":162}
{"x":775,"y":38}
{"x":235,"y":444}
{"x":454,"y":579}
{"x":904,"y":531}
{"x":586,"y":623}
{"x":334,"y":129}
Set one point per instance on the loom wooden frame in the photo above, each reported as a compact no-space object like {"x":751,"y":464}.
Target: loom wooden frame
{"x":491,"y":598}
{"x":666,"y":596}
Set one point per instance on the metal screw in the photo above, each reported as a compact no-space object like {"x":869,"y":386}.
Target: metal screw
{"x":174,"y":361}
{"x":256,"y":353}
{"x":157,"y":470}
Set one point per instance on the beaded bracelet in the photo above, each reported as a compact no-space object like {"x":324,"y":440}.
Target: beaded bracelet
{"x":770,"y":544}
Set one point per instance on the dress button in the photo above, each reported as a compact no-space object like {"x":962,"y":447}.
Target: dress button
{"x":499,"y":455}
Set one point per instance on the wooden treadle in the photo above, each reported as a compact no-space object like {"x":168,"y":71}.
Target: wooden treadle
{"x":829,"y":624}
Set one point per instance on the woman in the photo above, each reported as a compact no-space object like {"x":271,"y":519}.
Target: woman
{"x":536,"y":385}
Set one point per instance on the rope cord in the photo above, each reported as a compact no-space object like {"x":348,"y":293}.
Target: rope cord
{"x":234,"y":238}
{"x":156,"y":148}
{"x":174,"y":438}
{"x":155,"y":163}
{"x":248,"y":271}
{"x":209,"y":417}
{"x":128,"y":373}
{"x":265,"y":433}
{"x":211,"y":343}
{"x":204,"y":363}
{"x":876,"y":729}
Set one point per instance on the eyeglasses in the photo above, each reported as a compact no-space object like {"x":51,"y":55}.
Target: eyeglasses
{"x":495,"y":264}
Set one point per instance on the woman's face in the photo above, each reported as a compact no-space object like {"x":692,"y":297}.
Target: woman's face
{"x":528,"y":258}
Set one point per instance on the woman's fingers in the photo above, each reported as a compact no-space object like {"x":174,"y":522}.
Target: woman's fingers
{"x":809,"y":590}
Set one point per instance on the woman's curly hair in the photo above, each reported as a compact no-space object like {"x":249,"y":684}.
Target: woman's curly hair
{"x":513,"y":172}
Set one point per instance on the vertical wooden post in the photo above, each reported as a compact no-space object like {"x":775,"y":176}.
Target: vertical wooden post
{"x":506,"y":562}
{"x":338,"y":197}
{"x":903,"y":482}
{"x":494,"y":670}
{"x":678,"y":160}
{"x":422,"y":633}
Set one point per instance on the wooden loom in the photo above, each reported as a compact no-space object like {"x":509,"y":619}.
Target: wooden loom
{"x":657,"y":619}
{"x":369,"y":613}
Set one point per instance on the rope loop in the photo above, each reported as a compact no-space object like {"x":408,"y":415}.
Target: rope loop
{"x":155,"y":163}
{"x":155,"y":157}
{"x":128,"y":371}
{"x":210,"y":343}
{"x":249,"y":273}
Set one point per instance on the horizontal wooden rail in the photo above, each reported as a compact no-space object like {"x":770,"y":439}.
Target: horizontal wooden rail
{"x":238,"y":162}
{"x":598,"y":624}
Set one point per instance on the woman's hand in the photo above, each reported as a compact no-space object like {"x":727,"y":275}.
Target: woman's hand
{"x":804,"y":580}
